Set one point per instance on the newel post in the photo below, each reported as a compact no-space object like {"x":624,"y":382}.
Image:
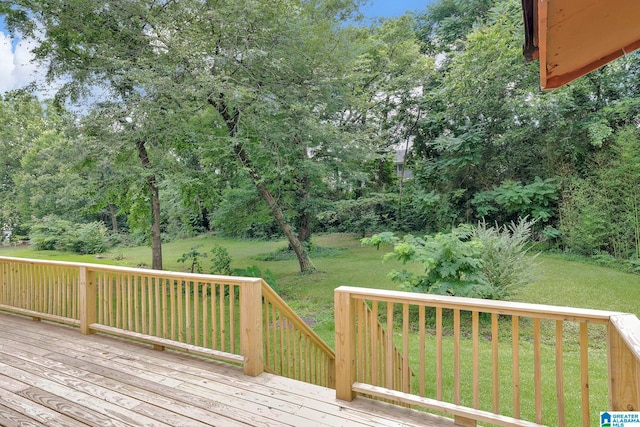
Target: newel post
{"x":87,"y":299}
{"x":345,"y":345}
{"x":251,"y":333}
{"x":623,"y":357}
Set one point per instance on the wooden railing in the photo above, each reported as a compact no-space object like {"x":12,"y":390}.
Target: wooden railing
{"x":236,"y":319}
{"x":499,"y":363}
{"x":291,"y":347}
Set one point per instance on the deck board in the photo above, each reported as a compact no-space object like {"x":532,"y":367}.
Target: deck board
{"x":52,"y":375}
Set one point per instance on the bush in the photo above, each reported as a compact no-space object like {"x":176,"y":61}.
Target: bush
{"x":192,"y":259}
{"x":514,"y":200}
{"x":221,"y":263}
{"x":452,"y":262}
{"x":477,"y":262}
{"x":47,"y":234}
{"x":88,"y":238}
{"x":506,"y":264}
{"x":53,"y":233}
{"x":254,"y":271}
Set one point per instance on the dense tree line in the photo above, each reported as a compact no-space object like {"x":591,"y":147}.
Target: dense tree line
{"x":259,"y":118}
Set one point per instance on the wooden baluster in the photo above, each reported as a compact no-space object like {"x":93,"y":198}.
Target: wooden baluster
{"x":475,"y":332}
{"x":196,"y":312}
{"x":439,"y":353}
{"x":389,"y":347}
{"x":232,"y":317}
{"x":495,"y":363}
{"x":406,"y":374}
{"x":584,"y":373}
{"x":456,"y":356}
{"x":559,"y":375}
{"x":223,"y":325}
{"x":537,"y":371}
{"x":423,"y":356}
{"x":515,"y":348}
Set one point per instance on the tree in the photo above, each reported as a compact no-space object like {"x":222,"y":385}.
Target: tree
{"x":23,"y":121}
{"x":262,"y":66}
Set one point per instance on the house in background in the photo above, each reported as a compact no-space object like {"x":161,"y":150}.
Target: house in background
{"x":400,"y":165}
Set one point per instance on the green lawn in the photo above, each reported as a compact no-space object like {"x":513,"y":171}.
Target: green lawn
{"x":558,"y":281}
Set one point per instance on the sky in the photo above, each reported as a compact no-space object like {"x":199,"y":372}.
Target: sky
{"x":393,"y":8}
{"x":16,"y":69}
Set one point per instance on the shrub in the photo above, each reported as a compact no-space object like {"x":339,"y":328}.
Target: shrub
{"x":470,"y":261}
{"x":90,"y":238}
{"x":47,"y":233}
{"x":452,"y":262}
{"x":53,"y":233}
{"x":254,"y":271}
{"x":192,"y":258}
{"x":514,"y":200}
{"x":506,"y":264}
{"x":221,"y":261}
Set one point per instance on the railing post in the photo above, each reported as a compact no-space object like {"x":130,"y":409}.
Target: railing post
{"x":87,"y":299}
{"x":251,"y":333}
{"x":623,"y":357}
{"x":345,"y":333}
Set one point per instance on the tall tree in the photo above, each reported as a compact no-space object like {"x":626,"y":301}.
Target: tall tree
{"x":261,"y":65}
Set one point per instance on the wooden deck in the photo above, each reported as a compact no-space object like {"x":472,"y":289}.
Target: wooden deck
{"x":51,"y":375}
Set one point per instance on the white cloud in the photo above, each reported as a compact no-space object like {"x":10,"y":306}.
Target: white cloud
{"x":16,"y":65}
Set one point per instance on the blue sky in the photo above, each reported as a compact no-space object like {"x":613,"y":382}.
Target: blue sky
{"x":393,"y":8}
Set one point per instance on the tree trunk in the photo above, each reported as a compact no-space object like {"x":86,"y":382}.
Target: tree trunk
{"x":304,"y":221}
{"x":114,"y":218}
{"x":231,"y":119}
{"x":156,"y":241}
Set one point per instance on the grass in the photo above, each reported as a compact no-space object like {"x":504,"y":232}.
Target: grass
{"x":558,"y":282}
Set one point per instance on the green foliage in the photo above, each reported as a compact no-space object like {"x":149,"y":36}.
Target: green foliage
{"x":452,"y":262}
{"x":362,"y":215}
{"x":514,"y":200}
{"x":506,"y":263}
{"x":53,"y":233}
{"x":255,"y":271}
{"x":232,"y":218}
{"x":221,"y":261}
{"x":90,"y":238}
{"x":478,"y":262}
{"x":598,"y":132}
{"x":601,"y":213}
{"x":193,"y":259}
{"x":46,"y":234}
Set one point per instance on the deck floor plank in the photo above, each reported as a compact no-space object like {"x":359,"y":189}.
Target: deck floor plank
{"x":52,"y":375}
{"x":32,"y":410}
{"x":11,"y":418}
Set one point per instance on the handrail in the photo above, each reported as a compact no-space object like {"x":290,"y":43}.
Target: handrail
{"x":483,"y":305}
{"x":473,"y":340}
{"x":226,"y":317}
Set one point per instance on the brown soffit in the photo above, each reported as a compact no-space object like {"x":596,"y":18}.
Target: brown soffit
{"x":574,"y":37}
